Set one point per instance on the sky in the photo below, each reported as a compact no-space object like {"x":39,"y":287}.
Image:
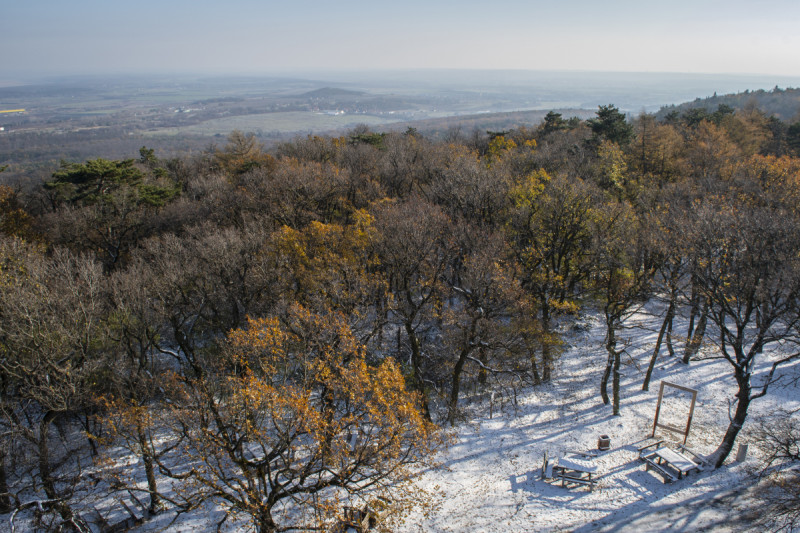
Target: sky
{"x":57,"y":37}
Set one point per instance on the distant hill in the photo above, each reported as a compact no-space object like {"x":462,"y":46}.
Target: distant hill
{"x":436,"y":127}
{"x":23,"y":92}
{"x":330,"y":92}
{"x":782,"y":103}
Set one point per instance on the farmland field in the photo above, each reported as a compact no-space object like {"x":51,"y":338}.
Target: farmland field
{"x":286,"y":122}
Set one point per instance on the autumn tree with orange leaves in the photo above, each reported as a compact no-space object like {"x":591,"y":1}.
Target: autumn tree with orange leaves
{"x":293,"y":423}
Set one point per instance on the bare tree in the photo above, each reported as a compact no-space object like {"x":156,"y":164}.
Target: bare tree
{"x":53,"y":331}
{"x":625,"y":267}
{"x":749,"y":257}
{"x":779,"y":436}
{"x":484,"y":318}
{"x":415,"y":249}
{"x":665,"y":224}
{"x":467,"y":188}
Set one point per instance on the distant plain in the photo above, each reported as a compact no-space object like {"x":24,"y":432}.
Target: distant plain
{"x":77,"y":118}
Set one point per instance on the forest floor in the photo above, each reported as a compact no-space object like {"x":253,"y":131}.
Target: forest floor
{"x":491,"y":478}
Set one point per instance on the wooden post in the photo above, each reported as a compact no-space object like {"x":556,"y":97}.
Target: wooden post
{"x":658,"y":409}
{"x":691,"y":414}
{"x":741,"y":454}
{"x":547,"y":468}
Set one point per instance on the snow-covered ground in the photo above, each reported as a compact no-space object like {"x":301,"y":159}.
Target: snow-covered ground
{"x":491,"y":478}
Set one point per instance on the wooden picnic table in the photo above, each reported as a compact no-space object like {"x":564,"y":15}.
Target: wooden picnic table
{"x":665,"y":461}
{"x":676,"y":460}
{"x":576,"y":469}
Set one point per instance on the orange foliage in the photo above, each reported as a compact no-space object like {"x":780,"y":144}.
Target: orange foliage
{"x":330,"y":265}
{"x":14,"y":221}
{"x":301,"y":412}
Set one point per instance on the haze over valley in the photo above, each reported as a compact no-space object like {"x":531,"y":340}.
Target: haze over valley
{"x":75,"y":118}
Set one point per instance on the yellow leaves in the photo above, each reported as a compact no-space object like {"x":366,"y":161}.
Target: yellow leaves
{"x":262,"y":345}
{"x":338,"y":142}
{"x":500,"y":146}
{"x":566,"y":306}
{"x":525,"y":193}
{"x":710,"y":152}
{"x":261,"y":334}
{"x":324,"y":365}
{"x":455,"y":152}
{"x":329,"y":262}
{"x":122,"y":415}
{"x":780,"y":175}
{"x":613,"y":167}
{"x":363,"y":226}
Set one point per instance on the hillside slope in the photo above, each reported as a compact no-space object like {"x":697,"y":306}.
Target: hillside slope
{"x":781,"y":103}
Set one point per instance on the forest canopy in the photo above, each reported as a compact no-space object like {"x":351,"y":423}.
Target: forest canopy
{"x":280,"y":331}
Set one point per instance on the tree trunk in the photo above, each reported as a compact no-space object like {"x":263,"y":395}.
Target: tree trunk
{"x":696,"y":340}
{"x":662,"y":331}
{"x":482,"y":373}
{"x":670,"y":347}
{"x":86,"y":422}
{"x":45,"y":473}
{"x":149,"y":471}
{"x":736,"y":424}
{"x":616,"y":382}
{"x":383,"y":312}
{"x":459,"y":368}
{"x":692,"y":317}
{"x":5,"y":497}
{"x":611,"y":343}
{"x":547,"y":361}
{"x":604,"y":381}
{"x":694,"y":308}
{"x":416,"y":368}
{"x":547,"y":353}
{"x":535,"y":369}
{"x":454,"y":390}
{"x":44,"y":457}
{"x":265,"y":523}
{"x":612,"y":365}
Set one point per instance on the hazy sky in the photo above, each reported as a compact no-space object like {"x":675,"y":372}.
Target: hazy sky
{"x":262,"y":36}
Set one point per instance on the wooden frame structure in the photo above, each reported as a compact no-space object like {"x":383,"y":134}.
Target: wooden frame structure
{"x":683,"y":431}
